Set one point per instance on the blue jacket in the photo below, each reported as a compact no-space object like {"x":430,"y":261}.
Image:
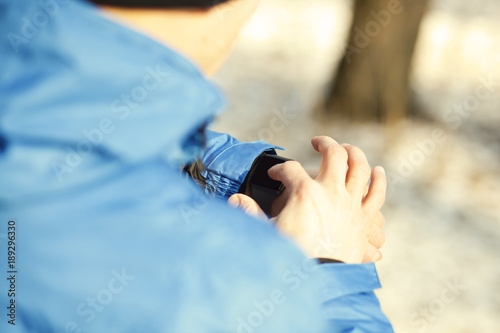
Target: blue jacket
{"x":107,"y":234}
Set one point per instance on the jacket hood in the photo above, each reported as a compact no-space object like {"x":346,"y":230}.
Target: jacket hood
{"x":72,"y":77}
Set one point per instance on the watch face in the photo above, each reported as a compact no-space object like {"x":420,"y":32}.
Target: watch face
{"x":260,"y":176}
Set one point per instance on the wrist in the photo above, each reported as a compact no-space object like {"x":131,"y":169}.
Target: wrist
{"x":259,"y":186}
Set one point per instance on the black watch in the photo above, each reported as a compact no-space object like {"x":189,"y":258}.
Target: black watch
{"x":259,"y":186}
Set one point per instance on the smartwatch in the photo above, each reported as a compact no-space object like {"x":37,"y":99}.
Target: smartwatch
{"x":259,"y":186}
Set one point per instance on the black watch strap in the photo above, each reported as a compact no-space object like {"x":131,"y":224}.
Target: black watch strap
{"x":329,"y":261}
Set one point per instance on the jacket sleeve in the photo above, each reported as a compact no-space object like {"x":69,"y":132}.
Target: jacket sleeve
{"x":163,"y":258}
{"x":227,"y":162}
{"x":348,"y":300}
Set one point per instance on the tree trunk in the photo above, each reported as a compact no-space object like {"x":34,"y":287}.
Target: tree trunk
{"x":373,"y":78}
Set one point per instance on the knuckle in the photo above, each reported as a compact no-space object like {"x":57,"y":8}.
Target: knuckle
{"x":355,"y":150}
{"x":358,"y":179}
{"x":358,"y":158}
{"x":381,"y":220}
{"x":304,"y":186}
{"x":290,"y":165}
{"x":363,"y":171}
{"x":381,"y":240}
{"x":304,"y":189}
{"x":336,"y":151}
{"x":363,"y":166}
{"x":384,"y":238}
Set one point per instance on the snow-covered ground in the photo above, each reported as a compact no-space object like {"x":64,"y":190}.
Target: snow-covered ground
{"x":441,"y":266}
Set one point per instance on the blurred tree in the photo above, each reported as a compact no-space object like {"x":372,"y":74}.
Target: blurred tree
{"x":372,"y":82}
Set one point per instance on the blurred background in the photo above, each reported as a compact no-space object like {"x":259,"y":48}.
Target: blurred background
{"x":416,"y":87}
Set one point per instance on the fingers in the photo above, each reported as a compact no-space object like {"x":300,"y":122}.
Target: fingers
{"x":380,"y":220}
{"x":376,"y":240}
{"x":359,"y":171}
{"x":290,"y":173}
{"x":377,"y":237}
{"x":372,"y":254}
{"x":333,"y":162}
{"x":247,"y":205}
{"x":375,"y":198}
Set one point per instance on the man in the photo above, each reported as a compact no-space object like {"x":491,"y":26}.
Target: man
{"x":102,"y":108}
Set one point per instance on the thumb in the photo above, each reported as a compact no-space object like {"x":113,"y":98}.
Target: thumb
{"x":247,"y":205}
{"x":290,"y":173}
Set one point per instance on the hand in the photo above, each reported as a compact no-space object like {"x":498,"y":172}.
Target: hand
{"x":377,"y":236}
{"x":329,"y":216}
{"x":376,"y":239}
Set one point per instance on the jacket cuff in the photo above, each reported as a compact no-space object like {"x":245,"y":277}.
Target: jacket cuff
{"x":349,"y":301}
{"x":346,"y":279}
{"x":227,"y":162}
